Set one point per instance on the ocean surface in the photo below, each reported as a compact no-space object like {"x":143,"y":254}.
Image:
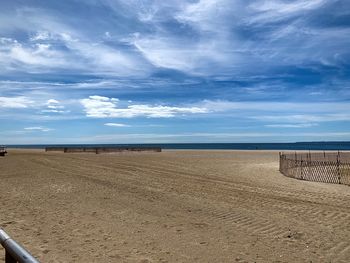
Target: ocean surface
{"x":326,"y":146}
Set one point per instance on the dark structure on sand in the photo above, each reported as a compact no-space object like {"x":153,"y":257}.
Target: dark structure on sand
{"x":98,"y":150}
{"x":3,"y":151}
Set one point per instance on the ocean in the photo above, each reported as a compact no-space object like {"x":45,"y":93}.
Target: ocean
{"x":313,"y":146}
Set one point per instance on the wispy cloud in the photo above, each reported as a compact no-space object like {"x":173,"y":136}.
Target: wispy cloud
{"x":15,"y":102}
{"x":55,"y":45}
{"x":38,"y":128}
{"x":54,"y":106}
{"x":298,"y":125}
{"x":278,"y":107}
{"x":104,"y":107}
{"x":35,"y":56}
{"x":272,"y":11}
{"x":307,"y":118}
{"x":183,"y":35}
{"x":112,"y":124}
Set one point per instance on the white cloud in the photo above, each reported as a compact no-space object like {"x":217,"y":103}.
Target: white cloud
{"x":15,"y":102}
{"x":104,"y":107}
{"x":107,"y":34}
{"x":282,"y":114}
{"x":277,"y":9}
{"x":91,"y":55}
{"x":208,"y":50}
{"x":209,"y":15}
{"x":41,"y":35}
{"x":38,"y":128}
{"x":54,"y":111}
{"x":33,"y":54}
{"x":163,"y":53}
{"x":111,"y":124}
{"x":54,"y":106}
{"x":217,"y":45}
{"x":298,"y":125}
{"x":279,"y":107}
{"x":55,"y":45}
{"x":306,"y":118}
{"x":205,"y":37}
{"x":52,"y":101}
{"x":105,"y":59}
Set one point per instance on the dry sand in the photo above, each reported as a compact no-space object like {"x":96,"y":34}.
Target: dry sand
{"x":174,"y":206}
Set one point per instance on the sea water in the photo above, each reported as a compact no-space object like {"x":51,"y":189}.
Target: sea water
{"x":324,"y":146}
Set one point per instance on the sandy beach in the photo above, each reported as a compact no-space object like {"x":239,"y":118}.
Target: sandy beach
{"x":173,"y":206}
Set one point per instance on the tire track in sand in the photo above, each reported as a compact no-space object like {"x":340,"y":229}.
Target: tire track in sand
{"x":316,"y":213}
{"x":248,"y":221}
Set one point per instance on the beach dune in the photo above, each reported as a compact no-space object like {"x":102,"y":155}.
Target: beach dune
{"x":173,"y":206}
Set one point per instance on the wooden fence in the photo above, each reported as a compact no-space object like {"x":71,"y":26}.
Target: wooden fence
{"x":327,"y":167}
{"x":102,"y":149}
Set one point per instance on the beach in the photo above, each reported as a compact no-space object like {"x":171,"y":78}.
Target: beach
{"x":172,"y":206}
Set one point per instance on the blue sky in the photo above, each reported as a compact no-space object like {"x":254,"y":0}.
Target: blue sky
{"x":174,"y":71}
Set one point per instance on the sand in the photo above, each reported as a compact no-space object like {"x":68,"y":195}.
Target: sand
{"x":174,"y":206}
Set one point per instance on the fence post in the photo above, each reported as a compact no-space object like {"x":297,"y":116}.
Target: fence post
{"x":338,"y":167}
{"x":301,"y":167}
{"x":280,"y":168}
{"x":308,"y":164}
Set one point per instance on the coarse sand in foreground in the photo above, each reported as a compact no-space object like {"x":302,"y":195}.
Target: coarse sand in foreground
{"x":173,"y":206}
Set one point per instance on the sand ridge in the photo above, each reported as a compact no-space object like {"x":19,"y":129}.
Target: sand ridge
{"x":174,"y":206}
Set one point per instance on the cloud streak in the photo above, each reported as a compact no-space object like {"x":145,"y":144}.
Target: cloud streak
{"x":37,"y":128}
{"x":112,"y":124}
{"x":104,"y":107}
{"x":298,"y":125}
{"x":15,"y":102}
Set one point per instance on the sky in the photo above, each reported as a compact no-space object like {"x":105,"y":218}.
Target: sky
{"x":176,"y":71}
